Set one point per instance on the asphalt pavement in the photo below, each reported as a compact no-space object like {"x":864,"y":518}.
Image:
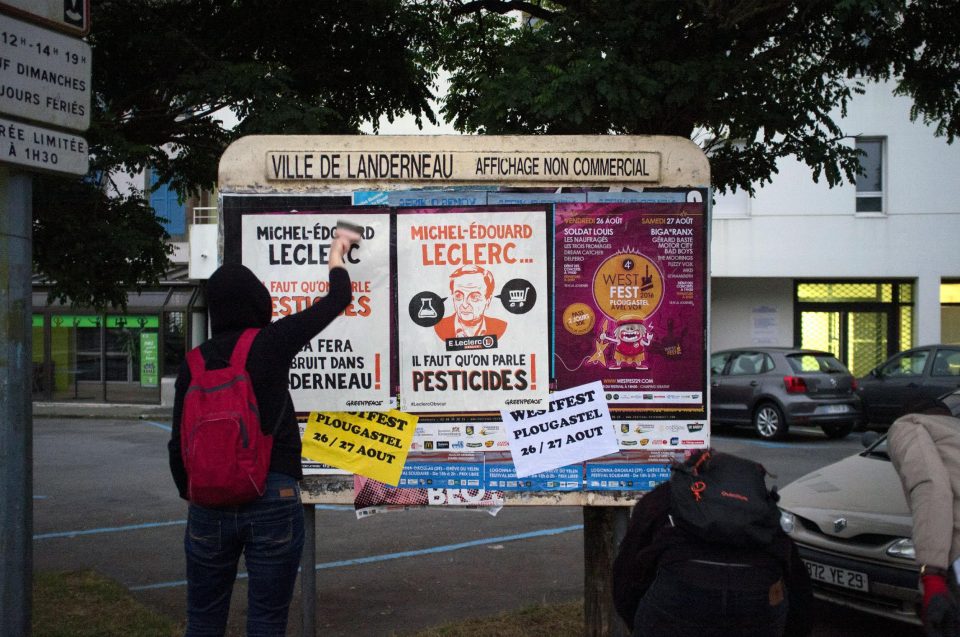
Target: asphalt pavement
{"x":104,"y":500}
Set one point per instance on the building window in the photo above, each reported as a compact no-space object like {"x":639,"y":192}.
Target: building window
{"x":168,"y":207}
{"x":862,"y":323}
{"x":950,"y":312}
{"x":174,"y":341}
{"x":870,"y":184}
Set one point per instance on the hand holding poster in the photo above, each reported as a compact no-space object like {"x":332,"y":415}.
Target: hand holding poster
{"x":576,"y":427}
{"x":369,"y":443}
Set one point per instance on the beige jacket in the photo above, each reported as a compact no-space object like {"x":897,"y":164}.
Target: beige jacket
{"x":925,"y":450}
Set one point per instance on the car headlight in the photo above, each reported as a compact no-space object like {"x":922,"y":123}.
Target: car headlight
{"x":902,"y":548}
{"x":788,"y":521}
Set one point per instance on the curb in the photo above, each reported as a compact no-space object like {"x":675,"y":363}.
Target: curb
{"x":101,"y":410}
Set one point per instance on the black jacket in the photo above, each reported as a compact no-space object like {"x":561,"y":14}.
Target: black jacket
{"x":651,"y":542}
{"x":237,"y":300}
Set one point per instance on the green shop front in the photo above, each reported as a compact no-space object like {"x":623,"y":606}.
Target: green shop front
{"x":114,"y":357}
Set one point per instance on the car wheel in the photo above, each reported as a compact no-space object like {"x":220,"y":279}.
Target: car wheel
{"x":769,"y":423}
{"x":837,"y":431}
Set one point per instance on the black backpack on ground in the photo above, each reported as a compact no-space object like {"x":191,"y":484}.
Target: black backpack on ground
{"x":723,"y":499}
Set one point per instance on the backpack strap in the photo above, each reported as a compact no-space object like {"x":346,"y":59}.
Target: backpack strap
{"x":242,"y":348}
{"x":196,"y":363}
{"x":238,"y":358}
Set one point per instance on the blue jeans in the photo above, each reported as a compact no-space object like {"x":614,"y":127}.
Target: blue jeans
{"x":678,"y":605}
{"x":269,"y":532}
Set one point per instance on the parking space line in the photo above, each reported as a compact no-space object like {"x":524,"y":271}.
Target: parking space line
{"x":403,"y":554}
{"x":109,"y":529}
{"x":160,"y":425}
{"x":153,"y":525}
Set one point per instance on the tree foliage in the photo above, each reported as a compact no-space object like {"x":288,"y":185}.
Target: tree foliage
{"x":94,"y":246}
{"x":752,"y":81}
{"x":175,"y":81}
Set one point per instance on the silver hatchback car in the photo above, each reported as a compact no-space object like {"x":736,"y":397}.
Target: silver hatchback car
{"x":772,"y":388}
{"x":852,"y":526}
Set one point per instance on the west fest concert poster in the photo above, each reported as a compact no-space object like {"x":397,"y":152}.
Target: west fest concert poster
{"x":368,"y":443}
{"x":473,"y":307}
{"x":629,"y":303}
{"x":347,"y":365}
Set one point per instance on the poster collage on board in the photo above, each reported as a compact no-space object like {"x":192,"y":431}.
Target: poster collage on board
{"x":478,"y":320}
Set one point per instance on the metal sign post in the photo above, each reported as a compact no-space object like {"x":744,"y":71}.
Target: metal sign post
{"x":16,"y":430}
{"x":45,"y":76}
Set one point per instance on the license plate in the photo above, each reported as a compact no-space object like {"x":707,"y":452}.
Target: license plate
{"x":835,"y":409}
{"x":837,"y":576}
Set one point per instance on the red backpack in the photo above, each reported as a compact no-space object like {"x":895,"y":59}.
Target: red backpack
{"x":225,"y":453}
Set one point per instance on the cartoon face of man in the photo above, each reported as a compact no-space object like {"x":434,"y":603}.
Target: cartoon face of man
{"x":630,"y":332}
{"x":470,"y":297}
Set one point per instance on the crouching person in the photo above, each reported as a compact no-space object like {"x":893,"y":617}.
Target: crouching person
{"x":704,"y":555}
{"x":925,"y":450}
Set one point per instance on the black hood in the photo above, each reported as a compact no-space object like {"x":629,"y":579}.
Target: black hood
{"x":237,"y":300}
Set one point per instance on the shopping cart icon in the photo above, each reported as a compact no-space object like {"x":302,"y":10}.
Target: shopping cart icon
{"x":518,"y":297}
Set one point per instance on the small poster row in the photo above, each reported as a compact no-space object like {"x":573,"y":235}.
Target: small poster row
{"x":460,"y":313}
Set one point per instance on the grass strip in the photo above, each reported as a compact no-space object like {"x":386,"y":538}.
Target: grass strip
{"x":86,"y":604}
{"x":558,"y":620}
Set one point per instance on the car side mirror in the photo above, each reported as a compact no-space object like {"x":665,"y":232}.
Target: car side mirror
{"x":869,"y":438}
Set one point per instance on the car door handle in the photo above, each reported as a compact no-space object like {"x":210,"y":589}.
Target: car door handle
{"x":754,"y":383}
{"x":714,"y":384}
{"x":913,"y":385}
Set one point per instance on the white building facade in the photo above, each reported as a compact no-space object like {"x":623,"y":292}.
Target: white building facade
{"x":862,"y":270}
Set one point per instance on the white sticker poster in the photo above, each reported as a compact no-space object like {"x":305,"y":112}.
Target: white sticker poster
{"x":574,"y":428}
{"x":473,"y":296}
{"x":348,"y":364}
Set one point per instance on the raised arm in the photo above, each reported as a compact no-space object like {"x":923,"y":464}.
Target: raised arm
{"x":288,"y":335}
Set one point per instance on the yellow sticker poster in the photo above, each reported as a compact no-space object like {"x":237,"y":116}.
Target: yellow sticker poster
{"x":369,"y":443}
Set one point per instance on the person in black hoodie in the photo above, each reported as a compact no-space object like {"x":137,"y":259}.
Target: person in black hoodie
{"x":668,"y":583}
{"x":269,"y":530}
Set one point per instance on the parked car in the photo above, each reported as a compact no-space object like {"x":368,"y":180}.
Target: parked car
{"x":773,"y":388}
{"x":908,"y":382}
{"x":852,"y":526}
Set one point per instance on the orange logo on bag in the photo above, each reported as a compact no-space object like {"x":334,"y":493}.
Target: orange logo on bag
{"x":698,"y":487}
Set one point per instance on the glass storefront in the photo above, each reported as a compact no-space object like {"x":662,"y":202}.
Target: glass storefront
{"x":91,"y":357}
{"x":112,"y":357}
{"x":862,"y":323}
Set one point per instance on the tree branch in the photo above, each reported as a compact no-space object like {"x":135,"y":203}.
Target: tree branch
{"x":503,"y":7}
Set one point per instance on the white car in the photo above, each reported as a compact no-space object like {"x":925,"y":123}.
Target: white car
{"x":852,"y":526}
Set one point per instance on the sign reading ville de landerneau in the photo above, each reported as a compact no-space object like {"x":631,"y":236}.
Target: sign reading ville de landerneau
{"x":44,"y":79}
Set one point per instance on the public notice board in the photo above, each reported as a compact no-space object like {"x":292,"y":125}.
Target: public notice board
{"x":462,"y":315}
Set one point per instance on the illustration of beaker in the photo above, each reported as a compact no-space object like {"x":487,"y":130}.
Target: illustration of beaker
{"x":426,"y":309}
